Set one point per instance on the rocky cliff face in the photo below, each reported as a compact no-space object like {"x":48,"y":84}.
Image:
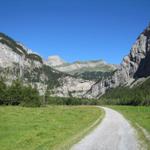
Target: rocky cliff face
{"x":18,"y":62}
{"x":134,"y":66}
{"x":72,"y":87}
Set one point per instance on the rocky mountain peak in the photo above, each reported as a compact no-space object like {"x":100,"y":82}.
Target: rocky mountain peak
{"x":55,"y":61}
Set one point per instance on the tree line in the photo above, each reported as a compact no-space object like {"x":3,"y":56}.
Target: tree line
{"x":18,"y":94}
{"x":137,"y":95}
{"x":70,"y":101}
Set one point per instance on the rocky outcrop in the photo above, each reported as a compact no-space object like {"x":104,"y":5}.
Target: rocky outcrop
{"x":17,"y":63}
{"x":72,"y":87}
{"x":134,"y":66}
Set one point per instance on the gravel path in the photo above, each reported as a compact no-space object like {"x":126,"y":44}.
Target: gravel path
{"x":113,"y":133}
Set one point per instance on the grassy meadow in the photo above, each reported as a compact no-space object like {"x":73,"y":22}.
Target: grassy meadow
{"x":139,"y":116}
{"x":45,"y":128}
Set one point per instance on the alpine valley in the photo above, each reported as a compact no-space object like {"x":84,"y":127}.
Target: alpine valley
{"x":89,"y":79}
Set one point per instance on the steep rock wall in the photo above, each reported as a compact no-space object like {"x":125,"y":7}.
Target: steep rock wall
{"x":134,"y":66}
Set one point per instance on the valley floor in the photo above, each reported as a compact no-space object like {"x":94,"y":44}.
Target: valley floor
{"x":47,"y":128}
{"x":59,"y":127}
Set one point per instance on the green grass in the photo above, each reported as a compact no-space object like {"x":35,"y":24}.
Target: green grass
{"x":139,"y":116}
{"x":49,"y":128}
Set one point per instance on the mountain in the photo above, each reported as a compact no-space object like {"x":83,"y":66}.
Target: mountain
{"x":133,"y":69}
{"x":68,"y":80}
{"x":19,"y":62}
{"x":55,"y":61}
{"x":89,"y":70}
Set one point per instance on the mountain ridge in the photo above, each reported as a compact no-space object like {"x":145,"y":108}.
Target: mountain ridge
{"x":89,"y":70}
{"x":30,"y":68}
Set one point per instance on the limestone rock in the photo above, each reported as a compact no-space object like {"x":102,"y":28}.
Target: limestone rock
{"x":134,"y":66}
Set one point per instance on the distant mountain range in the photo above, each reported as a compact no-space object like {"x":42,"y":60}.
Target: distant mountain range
{"x":89,"y":70}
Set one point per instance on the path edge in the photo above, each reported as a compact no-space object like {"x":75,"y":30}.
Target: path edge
{"x":84,"y":133}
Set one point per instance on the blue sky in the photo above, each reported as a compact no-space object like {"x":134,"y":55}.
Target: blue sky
{"x":76,"y":29}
